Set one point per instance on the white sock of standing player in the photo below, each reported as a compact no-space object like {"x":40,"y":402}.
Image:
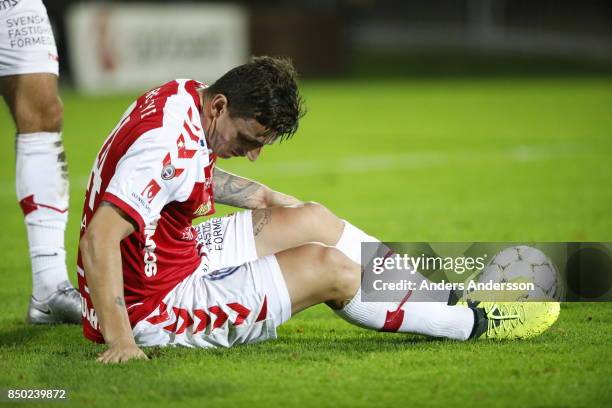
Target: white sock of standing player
{"x":428,"y":318}
{"x":42,"y":191}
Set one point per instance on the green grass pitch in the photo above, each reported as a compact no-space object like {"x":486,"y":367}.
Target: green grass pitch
{"x":416,"y":160}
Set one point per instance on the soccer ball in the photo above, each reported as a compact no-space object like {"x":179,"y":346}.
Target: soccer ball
{"x":522,"y":264}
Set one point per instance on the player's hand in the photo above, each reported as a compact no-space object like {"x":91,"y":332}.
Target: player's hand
{"x":122,"y":351}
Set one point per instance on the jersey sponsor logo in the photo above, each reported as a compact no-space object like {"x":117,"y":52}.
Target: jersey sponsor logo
{"x":221,"y":273}
{"x":27,"y":29}
{"x":203,"y":209}
{"x":150,"y":191}
{"x":168,"y":172}
{"x":141,"y":201}
{"x":211,"y":234}
{"x":150,"y":258}
{"x":189,"y":234}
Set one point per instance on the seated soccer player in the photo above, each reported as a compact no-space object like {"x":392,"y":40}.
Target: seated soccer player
{"x":149,"y":278}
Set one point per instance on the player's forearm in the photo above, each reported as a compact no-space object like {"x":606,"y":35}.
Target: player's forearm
{"x":238,"y":191}
{"x":241,"y":192}
{"x":102,"y":264}
{"x":277,"y":199}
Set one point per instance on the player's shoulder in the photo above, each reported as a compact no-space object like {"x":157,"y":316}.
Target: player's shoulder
{"x":179,"y":87}
{"x":182,"y":96}
{"x":169,"y":104}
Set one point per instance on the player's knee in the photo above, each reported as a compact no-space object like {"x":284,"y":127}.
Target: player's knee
{"x":315,"y":210}
{"x":343,"y":275}
{"x":323,"y":225}
{"x":52,"y":115}
{"x":46,"y":115}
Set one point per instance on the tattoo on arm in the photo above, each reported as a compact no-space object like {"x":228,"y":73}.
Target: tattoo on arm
{"x":119,"y":300}
{"x":260,"y":219}
{"x":237,"y":191}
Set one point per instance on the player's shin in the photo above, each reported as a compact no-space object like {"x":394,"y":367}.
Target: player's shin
{"x":42,"y":191}
{"x":434,"y":319}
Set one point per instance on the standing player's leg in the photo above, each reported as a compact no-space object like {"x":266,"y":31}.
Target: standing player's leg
{"x":28,"y":83}
{"x":42,"y":191}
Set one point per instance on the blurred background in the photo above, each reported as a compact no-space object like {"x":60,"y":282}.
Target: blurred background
{"x":424,"y":117}
{"x":105,"y":45}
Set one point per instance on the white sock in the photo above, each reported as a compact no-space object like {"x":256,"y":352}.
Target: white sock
{"x":42,"y":191}
{"x":434,"y":319}
{"x":429,"y":318}
{"x":350,"y":241}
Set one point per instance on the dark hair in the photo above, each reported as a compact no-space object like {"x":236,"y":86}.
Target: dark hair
{"x":264,"y":89}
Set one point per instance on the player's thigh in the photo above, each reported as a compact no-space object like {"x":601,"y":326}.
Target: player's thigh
{"x":33,"y":101}
{"x":248,"y":235}
{"x":279,"y":228}
{"x":315,"y":273}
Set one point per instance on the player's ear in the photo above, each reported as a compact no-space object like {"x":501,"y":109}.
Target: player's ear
{"x":218,"y":105}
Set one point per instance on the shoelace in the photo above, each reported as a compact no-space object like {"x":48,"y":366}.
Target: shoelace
{"x":508,"y":317}
{"x":71,"y":292}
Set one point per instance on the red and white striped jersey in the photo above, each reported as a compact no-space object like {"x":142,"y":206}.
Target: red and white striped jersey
{"x":156,"y":167}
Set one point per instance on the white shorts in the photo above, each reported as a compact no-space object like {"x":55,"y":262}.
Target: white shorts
{"x":27,"y":45}
{"x":231,"y":298}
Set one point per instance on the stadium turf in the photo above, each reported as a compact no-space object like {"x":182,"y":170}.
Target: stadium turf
{"x":416,"y":160}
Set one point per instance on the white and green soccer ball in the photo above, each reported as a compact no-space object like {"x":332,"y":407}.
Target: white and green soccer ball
{"x":521,"y":264}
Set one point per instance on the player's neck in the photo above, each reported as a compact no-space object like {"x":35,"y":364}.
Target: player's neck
{"x":206,"y":122}
{"x":202,"y":94}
